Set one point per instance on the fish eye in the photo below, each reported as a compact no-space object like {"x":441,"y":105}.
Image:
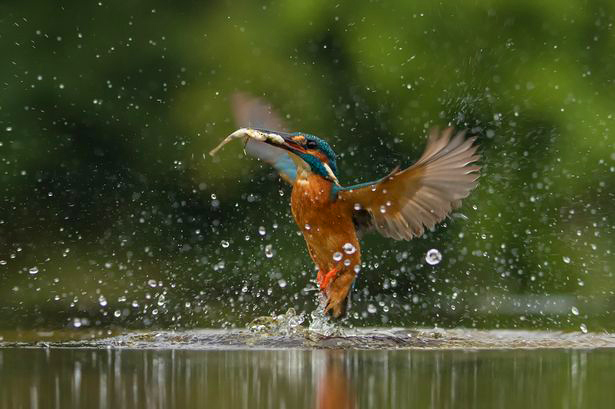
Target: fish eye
{"x":311,"y":145}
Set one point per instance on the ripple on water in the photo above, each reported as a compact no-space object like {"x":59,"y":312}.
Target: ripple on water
{"x":288,"y":331}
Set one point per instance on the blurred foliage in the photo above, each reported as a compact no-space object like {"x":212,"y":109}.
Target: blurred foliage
{"x":113,"y":214}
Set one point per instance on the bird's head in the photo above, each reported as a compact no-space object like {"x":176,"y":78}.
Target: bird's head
{"x":315,"y":152}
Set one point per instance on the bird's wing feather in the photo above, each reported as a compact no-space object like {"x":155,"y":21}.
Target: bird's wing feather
{"x":277,"y":157}
{"x":406,"y":202}
{"x":252,"y":112}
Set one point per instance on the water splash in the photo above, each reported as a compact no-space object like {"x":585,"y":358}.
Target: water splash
{"x":320,"y":323}
{"x":288,"y":323}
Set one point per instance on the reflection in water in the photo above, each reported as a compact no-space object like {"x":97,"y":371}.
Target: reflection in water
{"x":116,"y":378}
{"x":334,"y":390}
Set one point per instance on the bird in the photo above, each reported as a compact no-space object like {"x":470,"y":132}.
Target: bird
{"x":401,"y":205}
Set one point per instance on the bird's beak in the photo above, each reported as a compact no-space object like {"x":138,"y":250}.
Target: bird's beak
{"x":285,"y":141}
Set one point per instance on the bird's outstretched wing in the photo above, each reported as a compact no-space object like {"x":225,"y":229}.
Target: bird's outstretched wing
{"x":252,"y":112}
{"x":406,"y":202}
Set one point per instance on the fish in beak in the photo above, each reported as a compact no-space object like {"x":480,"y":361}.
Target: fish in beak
{"x":278,"y":139}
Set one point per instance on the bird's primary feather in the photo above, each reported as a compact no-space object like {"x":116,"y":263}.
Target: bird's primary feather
{"x":405,"y":203}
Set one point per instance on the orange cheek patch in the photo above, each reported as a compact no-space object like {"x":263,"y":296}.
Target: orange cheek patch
{"x":299,"y":139}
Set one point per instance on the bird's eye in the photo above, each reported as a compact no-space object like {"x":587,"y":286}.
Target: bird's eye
{"x":311,"y":145}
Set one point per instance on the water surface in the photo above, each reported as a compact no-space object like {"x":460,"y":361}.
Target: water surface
{"x":239,"y":369}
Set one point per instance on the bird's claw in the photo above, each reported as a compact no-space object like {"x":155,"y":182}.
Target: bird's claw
{"x":324,"y":279}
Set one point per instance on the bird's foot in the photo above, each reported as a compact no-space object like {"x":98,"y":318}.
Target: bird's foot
{"x":324,"y":279}
{"x":337,"y":295}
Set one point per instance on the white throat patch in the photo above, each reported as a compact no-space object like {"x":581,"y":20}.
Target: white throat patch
{"x":331,"y":174}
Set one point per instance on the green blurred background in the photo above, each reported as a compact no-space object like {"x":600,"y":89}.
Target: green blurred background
{"x":112,"y":213}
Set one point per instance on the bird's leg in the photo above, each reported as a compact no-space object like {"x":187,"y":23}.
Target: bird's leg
{"x":324,"y":279}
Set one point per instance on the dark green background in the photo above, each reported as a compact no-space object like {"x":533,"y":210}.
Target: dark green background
{"x":107,"y":110}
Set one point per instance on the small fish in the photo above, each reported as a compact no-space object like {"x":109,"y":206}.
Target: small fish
{"x":249,"y":133}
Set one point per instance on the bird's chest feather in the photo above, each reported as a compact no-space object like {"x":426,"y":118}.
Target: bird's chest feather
{"x":325,"y":224}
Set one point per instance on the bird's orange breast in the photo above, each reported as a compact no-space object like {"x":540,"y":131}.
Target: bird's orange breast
{"x":326,"y":225}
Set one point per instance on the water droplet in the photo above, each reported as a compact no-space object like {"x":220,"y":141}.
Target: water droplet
{"x":282,"y":283}
{"x":337,"y":256}
{"x":33,"y":270}
{"x":244,"y":289}
{"x":307,"y":227}
{"x":213,"y":196}
{"x":583,"y":328}
{"x":225,"y":244}
{"x":161,"y":301}
{"x":262,"y":231}
{"x":357,"y":268}
{"x":349,"y":248}
{"x":357,"y":206}
{"x":566,"y":259}
{"x":371,"y":308}
{"x":76,"y":322}
{"x":151,"y":283}
{"x":2,"y":262}
{"x":383,"y":209}
{"x":574,"y":310}
{"x":117,"y":313}
{"x":268,"y":251}
{"x":102,"y":301}
{"x":347,"y":262}
{"x":154,"y":311}
{"x":433,"y":257}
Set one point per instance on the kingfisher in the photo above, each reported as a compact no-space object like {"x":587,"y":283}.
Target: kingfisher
{"x":401,"y":205}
